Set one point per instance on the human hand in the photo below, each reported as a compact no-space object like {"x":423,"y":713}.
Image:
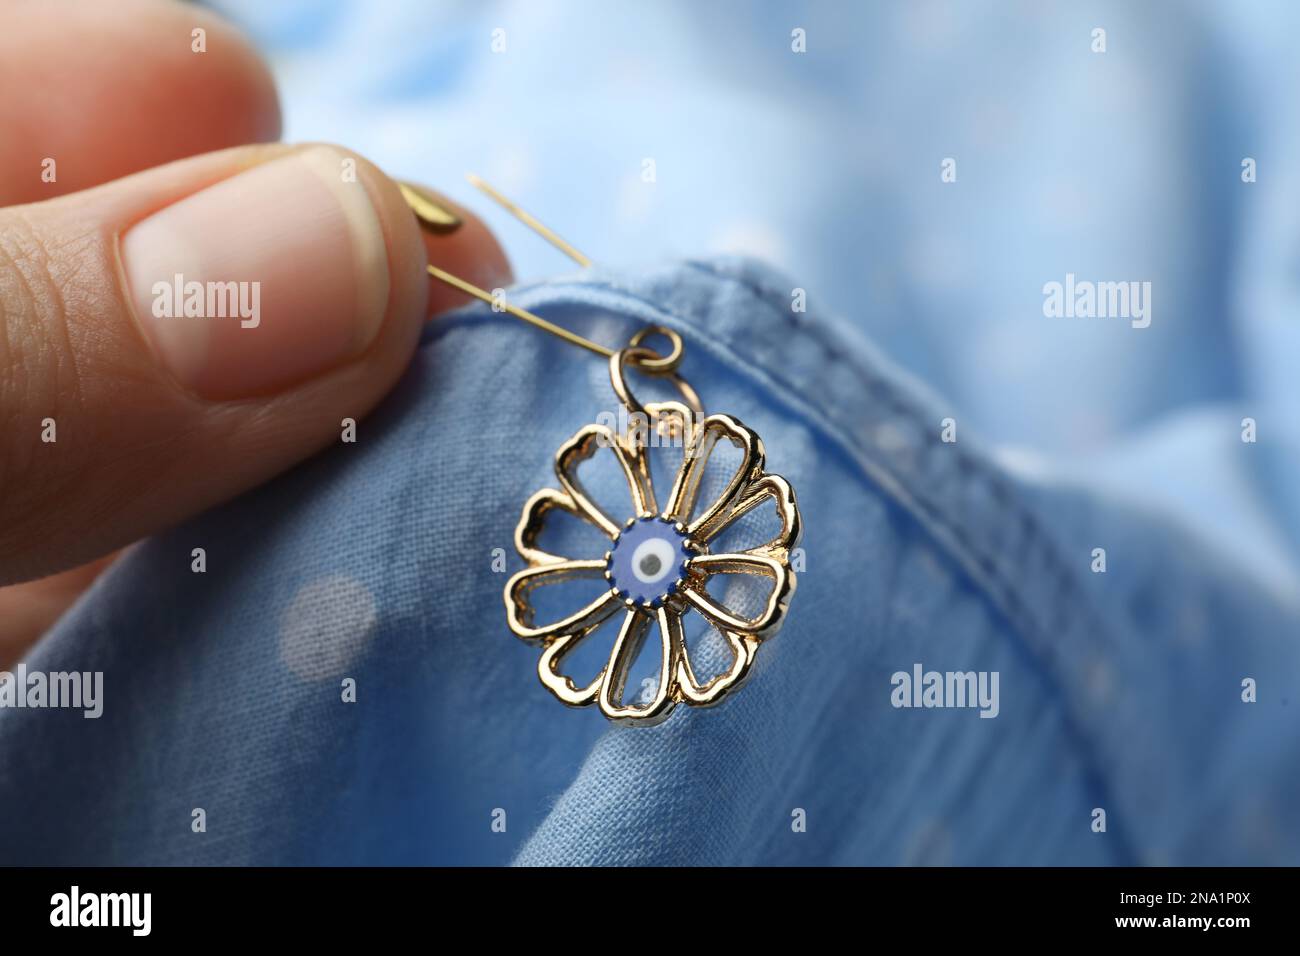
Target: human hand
{"x":123,"y":415}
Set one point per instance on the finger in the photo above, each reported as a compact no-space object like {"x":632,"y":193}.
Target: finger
{"x":28,"y":610}
{"x":477,"y":258}
{"x":61,"y":61}
{"x":123,"y":413}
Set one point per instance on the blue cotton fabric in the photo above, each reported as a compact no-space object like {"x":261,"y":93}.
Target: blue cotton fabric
{"x":375,"y":561}
{"x":1118,"y":166}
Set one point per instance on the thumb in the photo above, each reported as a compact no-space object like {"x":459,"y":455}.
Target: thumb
{"x":173,"y":338}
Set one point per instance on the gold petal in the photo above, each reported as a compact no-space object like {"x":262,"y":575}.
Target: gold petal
{"x":687,"y":485}
{"x":670,"y":424}
{"x":743,"y":646}
{"x":561,"y":685}
{"x":582,"y":446}
{"x":533,"y":520}
{"x":767,"y":622}
{"x":787,"y":509}
{"x":626,"y":647}
{"x":519,"y":609}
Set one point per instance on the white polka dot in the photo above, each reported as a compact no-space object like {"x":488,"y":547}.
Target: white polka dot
{"x":750,"y":238}
{"x":326,"y":626}
{"x":929,"y":845}
{"x":1001,"y":351}
{"x":1100,"y":680}
{"x":928,"y":28}
{"x":936,"y":258}
{"x":890,"y":437}
{"x":635,"y":200}
{"x":1025,"y":462}
{"x":1065,"y":206}
{"x":1193,"y":624}
{"x":1154,"y":856}
{"x":511,"y":169}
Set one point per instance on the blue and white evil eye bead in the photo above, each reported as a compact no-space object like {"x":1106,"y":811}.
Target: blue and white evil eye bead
{"x":648,"y":561}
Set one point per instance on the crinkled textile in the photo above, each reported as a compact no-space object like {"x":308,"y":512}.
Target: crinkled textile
{"x":378,"y":561}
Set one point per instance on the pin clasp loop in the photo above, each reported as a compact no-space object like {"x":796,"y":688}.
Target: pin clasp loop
{"x":649,"y":362}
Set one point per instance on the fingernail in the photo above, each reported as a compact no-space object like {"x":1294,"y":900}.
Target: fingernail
{"x":262,"y":280}
{"x":429,"y":209}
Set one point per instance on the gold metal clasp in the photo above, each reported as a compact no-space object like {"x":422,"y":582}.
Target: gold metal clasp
{"x":634,"y":355}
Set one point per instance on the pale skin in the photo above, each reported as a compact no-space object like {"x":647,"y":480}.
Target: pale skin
{"x":113,"y":90}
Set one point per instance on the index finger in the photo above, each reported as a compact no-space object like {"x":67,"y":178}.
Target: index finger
{"x":95,"y":91}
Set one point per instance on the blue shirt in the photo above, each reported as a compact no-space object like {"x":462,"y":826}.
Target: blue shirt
{"x":382,"y":562}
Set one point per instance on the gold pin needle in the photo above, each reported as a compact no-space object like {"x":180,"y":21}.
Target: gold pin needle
{"x":531,"y":318}
{"x":531,"y":222}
